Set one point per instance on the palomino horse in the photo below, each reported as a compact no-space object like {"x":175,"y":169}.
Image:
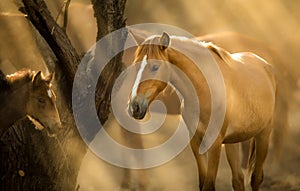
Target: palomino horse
{"x":235,"y":42}
{"x":250,"y":99}
{"x":27,"y":93}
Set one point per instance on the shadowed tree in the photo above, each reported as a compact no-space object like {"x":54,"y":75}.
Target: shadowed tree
{"x":109,"y":16}
{"x":35,"y":160}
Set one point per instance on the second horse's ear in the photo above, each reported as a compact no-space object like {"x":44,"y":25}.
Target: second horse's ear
{"x":37,"y":79}
{"x":164,"y":41}
{"x":49,"y":78}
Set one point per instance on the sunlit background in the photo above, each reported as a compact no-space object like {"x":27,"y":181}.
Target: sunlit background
{"x":275,"y":23}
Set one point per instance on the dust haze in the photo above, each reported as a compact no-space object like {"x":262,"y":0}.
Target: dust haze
{"x":275,"y":24}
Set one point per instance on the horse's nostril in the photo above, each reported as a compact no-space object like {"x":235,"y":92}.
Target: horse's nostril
{"x":132,"y":108}
{"x":137,"y":108}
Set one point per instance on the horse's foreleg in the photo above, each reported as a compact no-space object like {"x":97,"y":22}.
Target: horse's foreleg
{"x":129,"y":182}
{"x":261,"y":150}
{"x":233,"y":158}
{"x":133,"y":179}
{"x":201,"y":160}
{"x":126,"y":181}
{"x":143,"y":180}
{"x":245,"y":153}
{"x":212,"y":168}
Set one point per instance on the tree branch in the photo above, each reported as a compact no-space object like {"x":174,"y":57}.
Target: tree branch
{"x":66,"y":15}
{"x":40,"y":17}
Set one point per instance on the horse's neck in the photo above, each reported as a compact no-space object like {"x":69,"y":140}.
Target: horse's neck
{"x":185,"y":88}
{"x":185,"y":55}
{"x":12,"y":107}
{"x":195,"y":75}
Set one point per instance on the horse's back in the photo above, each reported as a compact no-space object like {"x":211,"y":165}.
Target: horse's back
{"x":256,"y":66}
{"x":256,"y":76}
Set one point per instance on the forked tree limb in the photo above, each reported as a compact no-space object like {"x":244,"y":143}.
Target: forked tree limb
{"x":109,"y":15}
{"x":39,"y":15}
{"x":60,"y":174}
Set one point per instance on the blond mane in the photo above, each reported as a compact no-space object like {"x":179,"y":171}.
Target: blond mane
{"x":222,"y":53}
{"x":151,"y":47}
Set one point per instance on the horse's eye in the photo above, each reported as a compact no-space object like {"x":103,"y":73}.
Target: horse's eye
{"x":42,"y":100}
{"x":154,"y":68}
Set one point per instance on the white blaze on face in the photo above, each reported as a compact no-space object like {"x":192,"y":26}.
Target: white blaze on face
{"x":49,"y":93}
{"x":138,"y":77}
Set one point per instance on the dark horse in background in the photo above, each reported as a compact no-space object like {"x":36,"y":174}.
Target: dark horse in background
{"x":27,"y":93}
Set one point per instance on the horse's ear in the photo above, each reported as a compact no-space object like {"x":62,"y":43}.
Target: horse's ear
{"x":49,"y":78}
{"x":37,"y":79}
{"x":164,"y":41}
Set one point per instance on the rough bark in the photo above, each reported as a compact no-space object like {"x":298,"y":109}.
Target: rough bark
{"x":31,"y":160}
{"x":110,"y":17}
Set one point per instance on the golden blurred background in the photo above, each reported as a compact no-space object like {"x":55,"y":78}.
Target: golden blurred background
{"x":275,"y":23}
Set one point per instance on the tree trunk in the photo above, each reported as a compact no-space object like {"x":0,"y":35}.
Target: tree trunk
{"x":110,"y":17}
{"x":31,"y":159}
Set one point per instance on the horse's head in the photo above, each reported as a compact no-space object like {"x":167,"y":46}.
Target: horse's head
{"x":153,"y":74}
{"x":41,"y":103}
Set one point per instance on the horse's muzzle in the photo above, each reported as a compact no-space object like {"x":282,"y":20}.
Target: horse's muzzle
{"x":138,"y":107}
